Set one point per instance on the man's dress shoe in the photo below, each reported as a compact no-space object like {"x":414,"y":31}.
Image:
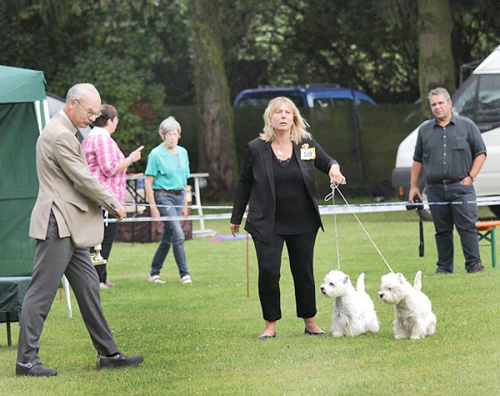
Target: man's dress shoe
{"x":119,"y":360}
{"x":34,"y":370}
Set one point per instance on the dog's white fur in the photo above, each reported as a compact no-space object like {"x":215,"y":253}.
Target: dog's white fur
{"x":353,"y":310}
{"x":412,"y":309}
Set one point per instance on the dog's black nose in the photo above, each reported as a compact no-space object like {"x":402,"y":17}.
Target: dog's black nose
{"x":381,"y":295}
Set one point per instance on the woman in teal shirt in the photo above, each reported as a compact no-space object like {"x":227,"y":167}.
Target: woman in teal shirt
{"x":166,"y":173}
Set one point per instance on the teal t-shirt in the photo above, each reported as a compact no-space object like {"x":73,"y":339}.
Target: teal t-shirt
{"x":170,"y":171}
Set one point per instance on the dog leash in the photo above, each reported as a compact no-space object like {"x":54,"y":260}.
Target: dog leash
{"x":336,"y":229}
{"x":335,"y":187}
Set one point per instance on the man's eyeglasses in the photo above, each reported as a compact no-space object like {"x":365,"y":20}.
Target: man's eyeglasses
{"x":89,"y":111}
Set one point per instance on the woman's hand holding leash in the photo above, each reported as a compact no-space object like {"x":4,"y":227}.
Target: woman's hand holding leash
{"x":336,"y":177}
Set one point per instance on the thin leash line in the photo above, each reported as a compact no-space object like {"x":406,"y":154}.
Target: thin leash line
{"x":331,"y":195}
{"x":336,"y":231}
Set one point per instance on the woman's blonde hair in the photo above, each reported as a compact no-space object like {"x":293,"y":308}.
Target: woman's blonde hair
{"x":298,"y":130}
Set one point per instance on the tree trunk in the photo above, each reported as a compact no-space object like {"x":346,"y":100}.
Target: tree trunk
{"x":217,"y":153}
{"x":435,"y":65}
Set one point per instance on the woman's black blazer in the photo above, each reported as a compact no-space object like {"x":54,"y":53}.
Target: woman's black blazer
{"x":256,"y":184}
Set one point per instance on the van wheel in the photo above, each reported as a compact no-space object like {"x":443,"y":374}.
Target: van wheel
{"x":425,"y":214}
{"x":496,"y":210}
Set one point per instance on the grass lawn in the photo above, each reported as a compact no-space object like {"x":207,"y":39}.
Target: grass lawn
{"x":200,"y":339}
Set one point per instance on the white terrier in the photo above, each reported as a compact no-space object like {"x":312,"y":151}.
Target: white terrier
{"x":353,"y":310}
{"x":412,"y":308}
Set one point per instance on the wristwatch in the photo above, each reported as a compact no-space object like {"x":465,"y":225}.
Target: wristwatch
{"x":472,"y":178}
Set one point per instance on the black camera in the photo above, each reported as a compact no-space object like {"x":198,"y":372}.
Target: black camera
{"x":416,"y":204}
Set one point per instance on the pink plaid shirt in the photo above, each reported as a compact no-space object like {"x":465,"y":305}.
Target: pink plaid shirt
{"x":104,"y":156}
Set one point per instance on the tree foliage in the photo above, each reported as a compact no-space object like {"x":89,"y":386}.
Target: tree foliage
{"x":366,"y":44}
{"x":139,"y":53}
{"x":369,"y":45}
{"x":118,"y":49}
{"x":355,"y":43}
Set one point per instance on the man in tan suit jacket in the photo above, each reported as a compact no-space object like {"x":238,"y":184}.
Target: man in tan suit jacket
{"x":65,"y":221}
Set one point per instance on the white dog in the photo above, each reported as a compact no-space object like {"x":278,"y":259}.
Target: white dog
{"x":353,"y":310}
{"x":412,"y":308}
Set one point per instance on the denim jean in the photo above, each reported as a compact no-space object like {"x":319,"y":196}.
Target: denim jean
{"x":170,"y":205}
{"x":463,"y":216}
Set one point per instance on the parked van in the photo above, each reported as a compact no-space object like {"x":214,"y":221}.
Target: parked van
{"x":478,"y":99}
{"x":302,"y":96}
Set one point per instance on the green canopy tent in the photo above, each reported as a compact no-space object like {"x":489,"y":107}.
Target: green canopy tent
{"x":23,"y":114}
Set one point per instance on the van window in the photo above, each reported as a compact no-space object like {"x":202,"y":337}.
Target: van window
{"x":330,"y":102}
{"x":262,"y":98}
{"x":464,"y":105}
{"x":488,"y":107}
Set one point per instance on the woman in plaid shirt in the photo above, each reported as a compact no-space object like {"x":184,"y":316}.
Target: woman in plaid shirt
{"x":107,"y":162}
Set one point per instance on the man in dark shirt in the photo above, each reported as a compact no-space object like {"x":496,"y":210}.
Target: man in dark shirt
{"x":450,"y":151}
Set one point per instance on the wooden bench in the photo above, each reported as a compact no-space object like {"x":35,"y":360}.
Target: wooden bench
{"x":486,"y":231}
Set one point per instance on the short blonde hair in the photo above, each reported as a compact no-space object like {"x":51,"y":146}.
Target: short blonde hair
{"x":298,"y":131}
{"x":167,"y":125}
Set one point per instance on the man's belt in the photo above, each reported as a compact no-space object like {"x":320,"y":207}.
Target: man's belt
{"x":449,"y":181}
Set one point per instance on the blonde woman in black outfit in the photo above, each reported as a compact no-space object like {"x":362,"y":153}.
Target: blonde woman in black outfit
{"x":277,"y":180}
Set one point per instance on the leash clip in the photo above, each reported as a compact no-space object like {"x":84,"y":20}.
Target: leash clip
{"x":331,"y":195}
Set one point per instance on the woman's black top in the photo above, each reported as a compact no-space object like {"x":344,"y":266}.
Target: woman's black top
{"x":256,"y":185}
{"x":295,"y":213}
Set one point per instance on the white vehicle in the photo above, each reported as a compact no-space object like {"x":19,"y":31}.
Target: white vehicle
{"x":478,"y":99}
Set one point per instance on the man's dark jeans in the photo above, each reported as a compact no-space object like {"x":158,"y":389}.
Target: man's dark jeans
{"x":460,"y":211}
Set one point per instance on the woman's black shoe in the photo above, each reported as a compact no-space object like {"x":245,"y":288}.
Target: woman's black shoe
{"x":311,"y":333}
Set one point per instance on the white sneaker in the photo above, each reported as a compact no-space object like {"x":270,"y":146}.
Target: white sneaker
{"x":186,"y":279}
{"x":102,"y":286}
{"x":155,"y":279}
